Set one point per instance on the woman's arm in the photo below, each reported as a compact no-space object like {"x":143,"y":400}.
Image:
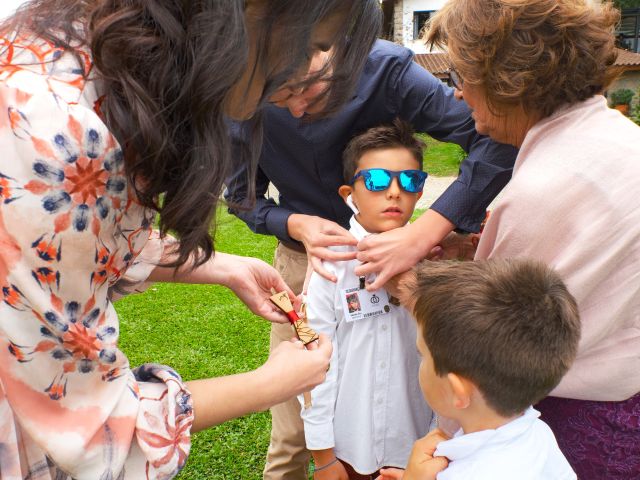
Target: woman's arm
{"x":249,"y":278}
{"x":289,"y":371}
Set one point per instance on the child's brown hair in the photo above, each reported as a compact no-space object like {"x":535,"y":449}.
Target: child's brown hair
{"x":509,"y":326}
{"x":398,"y":135}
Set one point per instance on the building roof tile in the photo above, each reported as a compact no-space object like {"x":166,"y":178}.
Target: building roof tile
{"x":627,"y":58}
{"x":438,"y":63}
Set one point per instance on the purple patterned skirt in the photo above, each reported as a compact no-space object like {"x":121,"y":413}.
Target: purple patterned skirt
{"x":601,"y":440}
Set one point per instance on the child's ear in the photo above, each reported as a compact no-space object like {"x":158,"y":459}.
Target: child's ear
{"x":420,"y":195}
{"x":406,"y":288}
{"x":344,"y":191}
{"x":462,"y":390}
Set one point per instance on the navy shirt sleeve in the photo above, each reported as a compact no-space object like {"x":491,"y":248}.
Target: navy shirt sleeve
{"x":431,"y":107}
{"x":263,"y":215}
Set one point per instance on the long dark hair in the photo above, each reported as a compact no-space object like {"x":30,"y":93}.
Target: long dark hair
{"x":167,"y":67}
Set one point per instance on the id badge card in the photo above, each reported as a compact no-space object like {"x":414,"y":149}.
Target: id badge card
{"x":359,"y":304}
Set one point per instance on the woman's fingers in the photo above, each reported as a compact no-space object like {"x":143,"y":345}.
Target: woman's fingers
{"x":319,"y":268}
{"x":332,"y":255}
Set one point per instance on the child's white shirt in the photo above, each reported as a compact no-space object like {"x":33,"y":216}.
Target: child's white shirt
{"x":523,"y":449}
{"x":370,"y":408}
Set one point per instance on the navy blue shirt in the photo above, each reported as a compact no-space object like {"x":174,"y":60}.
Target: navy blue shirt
{"x":304,"y":159}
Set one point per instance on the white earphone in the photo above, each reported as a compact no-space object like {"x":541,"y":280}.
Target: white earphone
{"x":352,"y":206}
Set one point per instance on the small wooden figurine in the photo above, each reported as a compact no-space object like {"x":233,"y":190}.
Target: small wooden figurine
{"x":304,"y":332}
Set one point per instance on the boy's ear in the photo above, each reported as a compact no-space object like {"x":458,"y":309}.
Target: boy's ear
{"x":420,"y":195}
{"x":344,"y":191}
{"x":462,"y":390}
{"x":406,"y":286}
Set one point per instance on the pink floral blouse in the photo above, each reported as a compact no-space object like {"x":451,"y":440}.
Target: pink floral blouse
{"x":70,"y":229}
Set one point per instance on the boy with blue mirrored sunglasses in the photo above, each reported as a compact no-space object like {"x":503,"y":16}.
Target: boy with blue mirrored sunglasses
{"x":374,"y":362}
{"x":390,"y":166}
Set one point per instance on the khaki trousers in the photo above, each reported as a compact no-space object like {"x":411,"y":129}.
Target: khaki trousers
{"x":287,"y":457}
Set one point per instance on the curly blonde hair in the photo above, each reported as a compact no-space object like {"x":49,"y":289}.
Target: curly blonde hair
{"x":539,"y":54}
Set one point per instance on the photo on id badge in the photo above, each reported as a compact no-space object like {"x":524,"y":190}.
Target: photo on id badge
{"x":360,"y":304}
{"x":353,"y":302}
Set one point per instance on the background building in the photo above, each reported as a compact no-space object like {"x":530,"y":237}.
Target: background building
{"x":629,"y":30}
{"x":405,"y":19}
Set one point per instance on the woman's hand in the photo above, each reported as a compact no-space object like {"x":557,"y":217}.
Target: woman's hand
{"x":317,"y":234}
{"x":252,"y":280}
{"x":404,"y":286}
{"x":455,"y":247}
{"x":396,"y":251}
{"x":292,"y":369}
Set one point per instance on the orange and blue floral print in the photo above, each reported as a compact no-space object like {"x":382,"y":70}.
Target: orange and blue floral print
{"x":21,"y":53}
{"x":8,"y":189}
{"x":48,"y":250}
{"x":77,"y":337}
{"x":12,"y":296}
{"x":50,"y":253}
{"x":106,"y":267}
{"x":80,"y":178}
{"x":70,"y":229}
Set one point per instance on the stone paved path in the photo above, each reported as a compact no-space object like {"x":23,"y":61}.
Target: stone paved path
{"x":434,"y":187}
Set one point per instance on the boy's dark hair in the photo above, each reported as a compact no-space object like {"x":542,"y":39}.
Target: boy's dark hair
{"x":509,"y":326}
{"x":397,"y":135}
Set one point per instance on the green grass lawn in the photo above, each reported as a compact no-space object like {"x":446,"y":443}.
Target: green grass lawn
{"x":441,"y":159}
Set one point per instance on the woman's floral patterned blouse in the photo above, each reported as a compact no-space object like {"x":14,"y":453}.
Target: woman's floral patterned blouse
{"x":70,"y":229}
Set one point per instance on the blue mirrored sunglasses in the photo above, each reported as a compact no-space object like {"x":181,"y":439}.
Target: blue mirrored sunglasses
{"x":379,"y":179}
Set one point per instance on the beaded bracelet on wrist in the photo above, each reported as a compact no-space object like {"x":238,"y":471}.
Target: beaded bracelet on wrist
{"x":332,"y":462}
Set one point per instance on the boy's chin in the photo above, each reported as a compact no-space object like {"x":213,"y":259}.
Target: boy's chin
{"x":385,"y":225}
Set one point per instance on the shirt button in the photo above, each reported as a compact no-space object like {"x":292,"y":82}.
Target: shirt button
{"x":379,"y":401}
{"x":384,"y":327}
{"x":382,"y":364}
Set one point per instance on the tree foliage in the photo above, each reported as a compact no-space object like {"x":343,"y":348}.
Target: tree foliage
{"x":627,"y":3}
{"x":635,"y":113}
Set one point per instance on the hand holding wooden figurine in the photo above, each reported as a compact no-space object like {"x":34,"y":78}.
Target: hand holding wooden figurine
{"x":303,"y":331}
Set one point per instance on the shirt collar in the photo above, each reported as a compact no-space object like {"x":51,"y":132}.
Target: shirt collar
{"x":461,"y":445}
{"x":357,"y":230}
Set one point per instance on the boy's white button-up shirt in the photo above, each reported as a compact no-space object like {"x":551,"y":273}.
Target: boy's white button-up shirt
{"x":370,"y":408}
{"x":523,"y":449}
